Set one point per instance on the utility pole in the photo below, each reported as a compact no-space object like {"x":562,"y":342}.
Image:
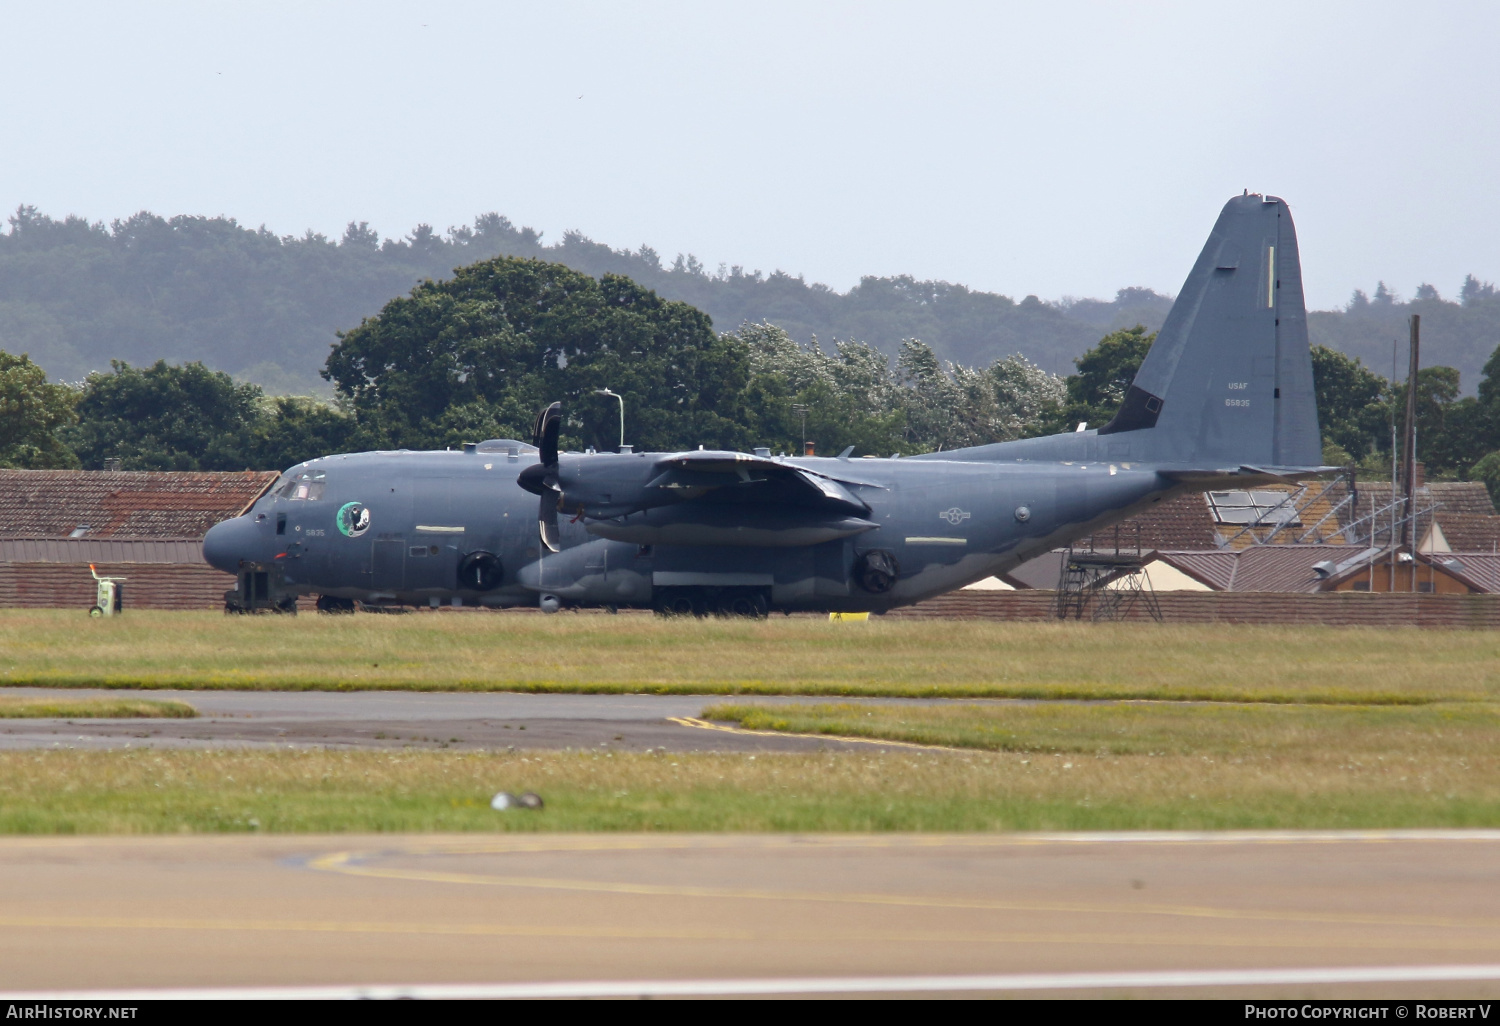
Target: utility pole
{"x":1409,"y":445}
{"x":800,"y":409}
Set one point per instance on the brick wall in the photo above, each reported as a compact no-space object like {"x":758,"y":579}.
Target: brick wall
{"x":1328,"y":608}
{"x":147,"y":585}
{"x":194,"y":586}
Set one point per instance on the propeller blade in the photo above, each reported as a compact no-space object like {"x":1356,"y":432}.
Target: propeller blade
{"x":544,"y":437}
{"x":546,"y":518}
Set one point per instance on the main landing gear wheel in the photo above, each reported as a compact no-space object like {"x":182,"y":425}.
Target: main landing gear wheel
{"x":751,"y":605}
{"x":680,"y":604}
{"x":700,"y":602}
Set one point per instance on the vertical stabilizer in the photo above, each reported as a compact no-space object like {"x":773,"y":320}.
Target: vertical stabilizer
{"x":1228,"y":381}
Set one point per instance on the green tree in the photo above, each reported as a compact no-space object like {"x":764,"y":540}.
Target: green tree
{"x":489,"y":347}
{"x":1488,"y":471}
{"x":292,"y":429}
{"x":166,"y":418}
{"x":1451,"y":433}
{"x":32,"y":412}
{"x":1354,"y":405}
{"x":1104,"y":374}
{"x":851,"y":396}
{"x":855,"y":397}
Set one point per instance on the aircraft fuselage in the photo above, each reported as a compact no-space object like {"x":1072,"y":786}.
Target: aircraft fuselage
{"x":404,"y":528}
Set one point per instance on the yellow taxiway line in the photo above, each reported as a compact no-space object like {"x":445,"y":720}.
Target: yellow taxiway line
{"x":693,"y":721}
{"x":353,"y":863}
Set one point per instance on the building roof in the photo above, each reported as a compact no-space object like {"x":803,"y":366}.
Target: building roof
{"x":1188,"y":522}
{"x":101,"y":550}
{"x":1180,"y":523}
{"x":55,"y":504}
{"x":1463,"y":508}
{"x":1454,"y":496}
{"x":1283,"y":568}
{"x":1479,"y":570}
{"x":1469,"y":532}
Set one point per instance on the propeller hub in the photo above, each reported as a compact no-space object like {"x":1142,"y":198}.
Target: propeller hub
{"x":538,"y":479}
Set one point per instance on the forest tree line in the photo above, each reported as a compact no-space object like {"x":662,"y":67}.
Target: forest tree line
{"x":477,"y":355}
{"x":76,"y":294}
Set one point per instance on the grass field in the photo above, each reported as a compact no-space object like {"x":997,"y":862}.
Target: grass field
{"x":63,"y":707}
{"x":314,"y":791}
{"x":521,"y":652}
{"x":1287,"y":727}
{"x":1404,"y":734}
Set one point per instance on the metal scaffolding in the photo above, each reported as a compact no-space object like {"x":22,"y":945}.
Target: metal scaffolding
{"x":1106,"y":583}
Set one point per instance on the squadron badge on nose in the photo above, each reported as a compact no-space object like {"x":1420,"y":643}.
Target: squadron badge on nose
{"x":353,"y":519}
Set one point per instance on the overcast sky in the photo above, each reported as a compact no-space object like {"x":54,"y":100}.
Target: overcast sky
{"x":1056,"y":149}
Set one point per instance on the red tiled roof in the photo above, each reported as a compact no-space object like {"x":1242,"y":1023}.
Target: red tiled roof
{"x":1479,"y":570}
{"x":101,"y":550}
{"x":1214,"y":567}
{"x":135,"y":504}
{"x":1181,"y":523}
{"x":1470,"y":532}
{"x":1449,"y":496}
{"x":1281,"y":568}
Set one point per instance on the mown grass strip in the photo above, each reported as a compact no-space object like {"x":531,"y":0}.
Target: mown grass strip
{"x":1226,"y":730}
{"x":481,"y":651}
{"x":63,"y":708}
{"x":876,"y":689}
{"x":175,"y":791}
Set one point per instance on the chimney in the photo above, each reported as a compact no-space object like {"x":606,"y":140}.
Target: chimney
{"x":1419,"y":474}
{"x":807,"y":448}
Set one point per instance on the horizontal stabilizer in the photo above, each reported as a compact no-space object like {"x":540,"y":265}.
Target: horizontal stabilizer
{"x":1240,"y":477}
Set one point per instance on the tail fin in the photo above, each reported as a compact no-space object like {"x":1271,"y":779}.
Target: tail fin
{"x":1228,"y":380}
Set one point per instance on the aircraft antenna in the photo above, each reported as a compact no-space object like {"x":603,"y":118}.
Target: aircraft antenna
{"x":616,"y":395}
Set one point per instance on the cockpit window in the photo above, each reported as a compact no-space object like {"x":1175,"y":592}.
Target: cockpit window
{"x":304,"y":486}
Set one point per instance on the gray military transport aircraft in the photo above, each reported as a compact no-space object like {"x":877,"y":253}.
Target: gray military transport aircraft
{"x":1223,"y":399}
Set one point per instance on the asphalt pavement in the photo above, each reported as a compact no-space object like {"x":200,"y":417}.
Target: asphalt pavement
{"x":403,"y":719}
{"x":1300,"y":915}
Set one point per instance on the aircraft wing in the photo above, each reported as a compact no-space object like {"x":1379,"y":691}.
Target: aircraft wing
{"x":694,"y":475}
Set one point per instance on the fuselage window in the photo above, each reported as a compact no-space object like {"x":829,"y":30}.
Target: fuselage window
{"x":304,"y":487}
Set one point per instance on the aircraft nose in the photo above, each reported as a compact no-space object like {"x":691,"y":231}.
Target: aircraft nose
{"x":229,"y":542}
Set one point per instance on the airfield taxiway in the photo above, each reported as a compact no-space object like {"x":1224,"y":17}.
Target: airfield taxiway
{"x":1296,"y":914}
{"x":1363,"y":913}
{"x":406,"y":719}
